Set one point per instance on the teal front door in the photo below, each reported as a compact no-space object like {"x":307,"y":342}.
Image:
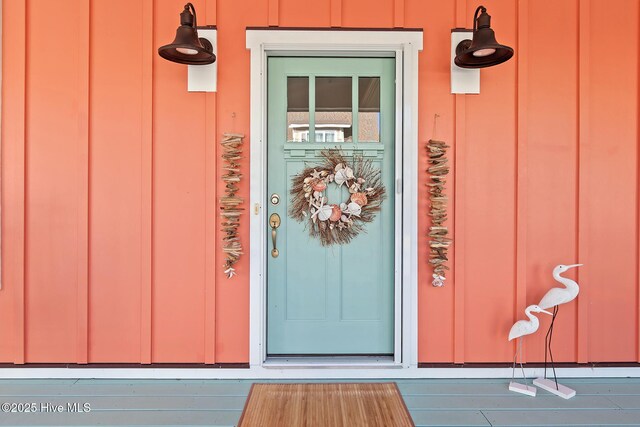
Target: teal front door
{"x":337,"y":299}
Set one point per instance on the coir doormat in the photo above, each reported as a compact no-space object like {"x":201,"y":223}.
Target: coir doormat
{"x":335,"y":405}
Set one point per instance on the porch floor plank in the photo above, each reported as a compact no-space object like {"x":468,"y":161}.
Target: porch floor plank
{"x":125,"y":418}
{"x":146,"y":389}
{"x":564,"y":418}
{"x":626,"y":402}
{"x":600,"y":401}
{"x":499,"y":389}
{"x":149,"y":403}
{"x":514,"y":401}
{"x":448,"y":418}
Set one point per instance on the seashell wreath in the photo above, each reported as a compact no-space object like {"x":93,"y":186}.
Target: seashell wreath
{"x":337,"y":223}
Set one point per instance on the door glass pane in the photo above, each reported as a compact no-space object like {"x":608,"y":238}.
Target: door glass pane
{"x":298,"y":109}
{"x":369,"y":109}
{"x":333,"y":109}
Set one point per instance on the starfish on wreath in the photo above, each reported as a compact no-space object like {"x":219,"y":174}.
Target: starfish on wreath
{"x":316,"y":175}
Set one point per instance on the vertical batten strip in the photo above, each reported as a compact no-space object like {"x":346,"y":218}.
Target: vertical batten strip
{"x":584,"y":28}
{"x":335,"y":13}
{"x":1,"y":61}
{"x":638,"y":197}
{"x":211,"y":208}
{"x":13,"y":168}
{"x":211,"y":13}
{"x":460,"y":107}
{"x":84,"y":42}
{"x":273,"y":13}
{"x":398,"y":13}
{"x":522,"y":80}
{"x":146,"y":176}
{"x":459,"y":229}
{"x":211,"y":229}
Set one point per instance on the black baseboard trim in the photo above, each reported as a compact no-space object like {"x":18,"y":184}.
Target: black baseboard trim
{"x":129,"y":365}
{"x":246,"y":365}
{"x":531,"y":365}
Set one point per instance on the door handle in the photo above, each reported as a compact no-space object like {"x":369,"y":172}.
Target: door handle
{"x":274,"y":222}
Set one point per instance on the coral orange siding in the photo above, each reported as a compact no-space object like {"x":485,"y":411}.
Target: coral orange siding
{"x":110,"y":178}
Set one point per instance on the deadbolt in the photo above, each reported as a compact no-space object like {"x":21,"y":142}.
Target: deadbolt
{"x":275,"y":199}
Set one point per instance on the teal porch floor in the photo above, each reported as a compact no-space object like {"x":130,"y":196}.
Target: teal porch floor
{"x":219,"y":402}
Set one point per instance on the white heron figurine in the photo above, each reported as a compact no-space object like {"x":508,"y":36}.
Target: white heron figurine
{"x":554,"y":298}
{"x":519,"y":330}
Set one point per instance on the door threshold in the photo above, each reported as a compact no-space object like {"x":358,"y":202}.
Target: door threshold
{"x":330,"y":362}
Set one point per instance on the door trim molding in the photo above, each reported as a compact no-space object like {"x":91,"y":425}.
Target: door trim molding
{"x":404,"y":46}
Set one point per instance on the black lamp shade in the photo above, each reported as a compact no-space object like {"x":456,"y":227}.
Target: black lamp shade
{"x":187,"y":48}
{"x":483,"y":50}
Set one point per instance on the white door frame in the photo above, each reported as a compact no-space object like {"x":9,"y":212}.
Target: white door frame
{"x":404,"y":46}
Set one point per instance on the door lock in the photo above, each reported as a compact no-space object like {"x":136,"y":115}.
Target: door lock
{"x":275,"y":199}
{"x":274,"y":222}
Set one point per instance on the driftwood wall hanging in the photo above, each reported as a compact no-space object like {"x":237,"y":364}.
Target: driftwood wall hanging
{"x":439,"y":240}
{"x":230,"y":202}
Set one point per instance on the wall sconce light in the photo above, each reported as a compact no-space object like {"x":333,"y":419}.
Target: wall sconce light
{"x":196,"y":47}
{"x":187,"y":47}
{"x":469,"y":55}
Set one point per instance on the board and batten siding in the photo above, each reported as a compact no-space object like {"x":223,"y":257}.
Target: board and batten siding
{"x":110,"y":178}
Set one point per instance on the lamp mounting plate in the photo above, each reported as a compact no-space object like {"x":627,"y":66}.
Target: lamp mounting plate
{"x":463,"y":80}
{"x":203,"y":78}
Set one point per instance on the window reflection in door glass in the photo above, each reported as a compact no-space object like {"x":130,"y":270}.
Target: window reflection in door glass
{"x":298,"y":109}
{"x":369,"y":109}
{"x":333,"y":110}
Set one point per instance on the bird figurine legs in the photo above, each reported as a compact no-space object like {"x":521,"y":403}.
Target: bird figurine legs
{"x":517,"y":387}
{"x":545,"y":383}
{"x":547,"y":347}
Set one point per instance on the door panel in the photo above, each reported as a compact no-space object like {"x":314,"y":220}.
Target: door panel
{"x":336,"y":299}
